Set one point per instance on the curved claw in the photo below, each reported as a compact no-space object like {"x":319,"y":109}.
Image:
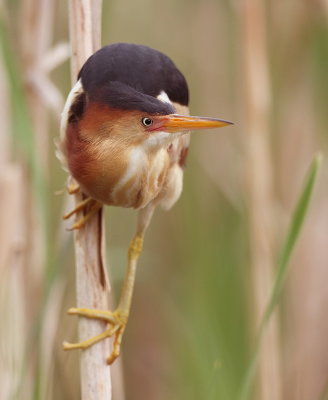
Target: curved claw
{"x":116,"y":346}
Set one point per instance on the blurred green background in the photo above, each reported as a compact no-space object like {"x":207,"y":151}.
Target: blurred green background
{"x":206,"y":270}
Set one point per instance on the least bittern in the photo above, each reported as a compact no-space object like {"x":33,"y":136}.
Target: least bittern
{"x":124,"y":139}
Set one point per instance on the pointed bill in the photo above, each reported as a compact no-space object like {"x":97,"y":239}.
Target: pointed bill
{"x":177,"y":123}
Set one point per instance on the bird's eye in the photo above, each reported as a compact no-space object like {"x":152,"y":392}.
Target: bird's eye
{"x":147,"y":121}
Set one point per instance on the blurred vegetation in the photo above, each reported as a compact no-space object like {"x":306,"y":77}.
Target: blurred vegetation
{"x":191,"y":332}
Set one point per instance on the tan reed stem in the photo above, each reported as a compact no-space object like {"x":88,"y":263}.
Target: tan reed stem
{"x":91,"y":275}
{"x":36,"y":22}
{"x":260,"y":189}
{"x":12,"y":258}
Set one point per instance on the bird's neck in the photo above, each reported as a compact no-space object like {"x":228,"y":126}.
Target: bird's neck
{"x":130,"y":177}
{"x":142,"y":177}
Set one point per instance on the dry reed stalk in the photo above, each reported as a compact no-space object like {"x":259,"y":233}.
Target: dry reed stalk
{"x":91,"y":275}
{"x":36,"y":30}
{"x":37,"y":23}
{"x":4,"y":118}
{"x":260,"y":189}
{"x":12,"y":256}
{"x":51,"y":320}
{"x":12,"y":299}
{"x":38,"y":58}
{"x":37,"y":20}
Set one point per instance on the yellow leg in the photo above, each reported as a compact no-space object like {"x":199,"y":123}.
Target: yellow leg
{"x":117,"y":319}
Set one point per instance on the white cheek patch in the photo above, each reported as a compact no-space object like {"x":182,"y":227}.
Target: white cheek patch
{"x":164,"y":97}
{"x":158,"y":139}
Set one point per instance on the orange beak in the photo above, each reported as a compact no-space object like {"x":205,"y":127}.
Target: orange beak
{"x":178,"y":123}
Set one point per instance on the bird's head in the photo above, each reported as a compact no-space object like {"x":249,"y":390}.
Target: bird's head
{"x":123,"y":115}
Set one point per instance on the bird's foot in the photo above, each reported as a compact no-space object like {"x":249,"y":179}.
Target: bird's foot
{"x":73,"y":188}
{"x":117,"y":321}
{"x":91,"y":205}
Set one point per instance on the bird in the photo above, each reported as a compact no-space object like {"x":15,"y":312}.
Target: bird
{"x":124,"y":138}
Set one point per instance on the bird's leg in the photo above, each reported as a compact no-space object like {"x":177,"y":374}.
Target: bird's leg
{"x":94,"y":206}
{"x":118,"y":319}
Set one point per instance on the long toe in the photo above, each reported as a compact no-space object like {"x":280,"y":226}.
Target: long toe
{"x":117,"y":321}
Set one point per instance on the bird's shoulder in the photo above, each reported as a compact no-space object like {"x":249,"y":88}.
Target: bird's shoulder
{"x":144,"y":69}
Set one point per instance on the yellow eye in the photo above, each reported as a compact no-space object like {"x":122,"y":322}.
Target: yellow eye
{"x":146,"y":121}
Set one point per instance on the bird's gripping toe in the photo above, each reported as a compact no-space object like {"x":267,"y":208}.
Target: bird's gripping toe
{"x":117,"y":322}
{"x":89,"y":206}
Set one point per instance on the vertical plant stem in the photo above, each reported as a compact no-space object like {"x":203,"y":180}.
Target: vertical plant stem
{"x":12,"y":256}
{"x":260,"y":193}
{"x":91,"y":276}
{"x":36,"y":22}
